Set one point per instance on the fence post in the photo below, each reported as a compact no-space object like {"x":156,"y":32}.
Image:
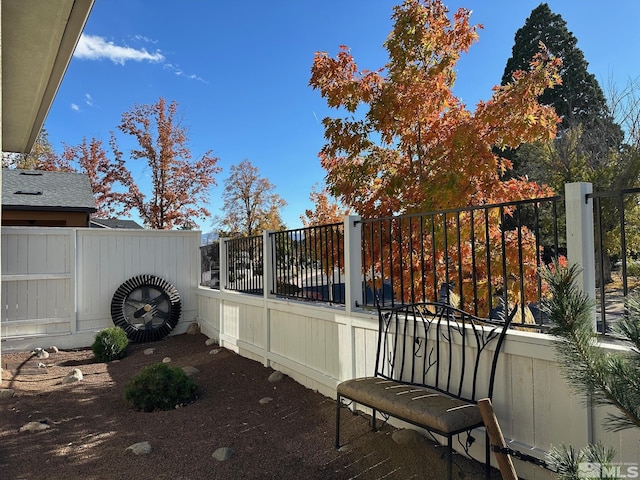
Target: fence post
{"x":224,"y":264}
{"x":352,"y":293}
{"x":352,"y":262}
{"x":580,"y":244}
{"x":268,"y":266}
{"x":224,"y":278}
{"x":581,"y":252}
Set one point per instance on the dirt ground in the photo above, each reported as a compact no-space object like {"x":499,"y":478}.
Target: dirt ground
{"x":289,"y":437}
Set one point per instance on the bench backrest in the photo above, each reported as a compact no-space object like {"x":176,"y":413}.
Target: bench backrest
{"x":440,"y":346}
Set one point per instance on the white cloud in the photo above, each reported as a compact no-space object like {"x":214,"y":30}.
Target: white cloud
{"x":75,"y":107}
{"x":180,"y":73}
{"x":88,"y":100}
{"x":93,"y":47}
{"x":144,"y":39}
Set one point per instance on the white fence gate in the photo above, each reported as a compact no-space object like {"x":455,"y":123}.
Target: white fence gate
{"x":57,"y":283}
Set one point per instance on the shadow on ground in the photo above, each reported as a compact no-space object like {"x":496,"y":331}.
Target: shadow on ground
{"x":288,"y":437}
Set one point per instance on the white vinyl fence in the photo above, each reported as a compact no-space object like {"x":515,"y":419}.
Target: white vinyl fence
{"x":319,"y":346}
{"x":57,"y":283}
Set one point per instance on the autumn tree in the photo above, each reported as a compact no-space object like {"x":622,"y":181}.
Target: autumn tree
{"x":407,"y":145}
{"x":324,"y":232}
{"x":106,"y":177}
{"x":41,"y":157}
{"x":179,"y":184}
{"x":325,"y":211}
{"x":250,"y":204}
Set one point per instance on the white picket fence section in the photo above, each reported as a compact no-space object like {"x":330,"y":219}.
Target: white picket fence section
{"x":57,"y":283}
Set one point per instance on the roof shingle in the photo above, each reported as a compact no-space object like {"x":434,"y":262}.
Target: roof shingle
{"x":42,"y":190}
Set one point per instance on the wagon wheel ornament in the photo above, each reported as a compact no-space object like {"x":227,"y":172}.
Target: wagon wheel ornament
{"x":146,"y":307}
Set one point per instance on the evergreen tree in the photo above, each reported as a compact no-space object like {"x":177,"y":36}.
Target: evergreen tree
{"x":579,"y":101}
{"x":604,"y":377}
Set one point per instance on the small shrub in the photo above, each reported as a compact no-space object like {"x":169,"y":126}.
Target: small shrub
{"x":633,"y":269}
{"x":110,"y":344}
{"x":159,"y":387}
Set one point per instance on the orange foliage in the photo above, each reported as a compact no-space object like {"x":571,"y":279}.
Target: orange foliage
{"x":325,"y":211}
{"x":179,"y":183}
{"x":324,"y":237}
{"x":418,"y":149}
{"x":104,"y":176}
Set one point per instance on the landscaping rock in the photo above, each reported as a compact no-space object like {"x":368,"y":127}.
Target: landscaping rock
{"x":149,"y":351}
{"x":210,"y":341}
{"x":265,"y":400}
{"x":34,"y":427}
{"x":40,"y":353}
{"x":276,"y":376}
{"x":140,"y":448}
{"x":190,"y":371}
{"x":53,"y":349}
{"x":215,"y":351}
{"x":166,"y":360}
{"x":193,"y":329}
{"x":73,"y":376}
{"x":223,"y":453}
{"x":406,"y":436}
{"x":6,"y":392}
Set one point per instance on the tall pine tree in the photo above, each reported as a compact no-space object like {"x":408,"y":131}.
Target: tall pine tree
{"x":579,"y":100}
{"x":589,"y":146}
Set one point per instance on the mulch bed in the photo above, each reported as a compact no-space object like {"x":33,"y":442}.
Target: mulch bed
{"x":289,"y":437}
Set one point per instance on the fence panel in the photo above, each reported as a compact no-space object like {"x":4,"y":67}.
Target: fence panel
{"x":244,"y":265}
{"x":38,"y":281}
{"x":309,"y":263}
{"x":617,"y":244}
{"x":107,"y":258}
{"x":60,"y":282}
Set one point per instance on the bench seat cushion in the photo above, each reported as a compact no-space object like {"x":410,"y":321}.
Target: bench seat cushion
{"x":419,"y":405}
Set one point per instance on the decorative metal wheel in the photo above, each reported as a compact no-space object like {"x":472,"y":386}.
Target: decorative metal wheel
{"x":146,"y":307}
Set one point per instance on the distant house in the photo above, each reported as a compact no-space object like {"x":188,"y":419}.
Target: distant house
{"x":114,"y":223}
{"x":46,"y":199}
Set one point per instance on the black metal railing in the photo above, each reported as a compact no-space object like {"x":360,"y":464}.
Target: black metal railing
{"x":617,"y":252}
{"x":210,"y":265}
{"x":309,"y":263}
{"x":474,"y":258}
{"x":245,"y":264}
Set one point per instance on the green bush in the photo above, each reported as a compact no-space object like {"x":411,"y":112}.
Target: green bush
{"x":159,"y":387}
{"x":633,"y":269}
{"x":110,"y":344}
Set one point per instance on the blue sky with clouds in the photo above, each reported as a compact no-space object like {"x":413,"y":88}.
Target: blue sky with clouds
{"x":239,"y":71}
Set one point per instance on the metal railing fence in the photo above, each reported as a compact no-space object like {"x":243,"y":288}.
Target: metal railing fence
{"x":309,"y":263}
{"x":245,"y":264}
{"x":617,"y":245}
{"x":475,"y":258}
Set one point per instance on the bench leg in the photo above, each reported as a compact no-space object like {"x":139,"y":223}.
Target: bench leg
{"x":338,"y":405}
{"x":373,"y":420}
{"x":450,"y":459}
{"x":487,"y":455}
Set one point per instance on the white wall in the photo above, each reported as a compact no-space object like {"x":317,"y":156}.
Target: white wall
{"x":57,"y":283}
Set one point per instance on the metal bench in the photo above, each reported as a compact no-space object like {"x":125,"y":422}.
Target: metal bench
{"x":433,"y":363}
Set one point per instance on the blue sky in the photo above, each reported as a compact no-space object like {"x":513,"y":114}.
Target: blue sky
{"x":239,"y":71}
